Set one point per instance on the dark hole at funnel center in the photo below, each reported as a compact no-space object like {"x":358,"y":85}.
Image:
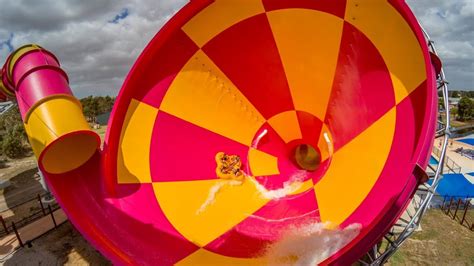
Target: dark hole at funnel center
{"x":307,"y":157}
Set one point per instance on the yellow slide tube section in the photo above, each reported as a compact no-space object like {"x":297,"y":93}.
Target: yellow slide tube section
{"x":57,"y":130}
{"x":60,"y":136}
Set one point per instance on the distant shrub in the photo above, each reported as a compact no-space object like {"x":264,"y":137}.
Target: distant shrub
{"x":12,"y":144}
{"x":13,"y":141}
{"x":465,"y":109}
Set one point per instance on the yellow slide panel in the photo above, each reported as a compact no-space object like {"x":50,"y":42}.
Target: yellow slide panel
{"x":202,"y":95}
{"x":354,"y":170}
{"x":308,"y":42}
{"x":133,"y":162}
{"x":286,"y":125}
{"x":219,"y":16}
{"x":204,"y":210}
{"x":405,"y":60}
{"x":262,"y":164}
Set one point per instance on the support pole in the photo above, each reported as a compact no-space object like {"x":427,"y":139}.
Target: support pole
{"x":52,"y":216}
{"x":4,"y":224}
{"x":41,"y":204}
{"x":457,"y":208}
{"x":449,"y":206}
{"x":466,"y":208}
{"x":17,"y":235}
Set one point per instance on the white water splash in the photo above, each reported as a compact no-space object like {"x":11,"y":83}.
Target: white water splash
{"x":259,"y":137}
{"x":211,"y":197}
{"x":309,"y":244}
{"x":293,"y":184}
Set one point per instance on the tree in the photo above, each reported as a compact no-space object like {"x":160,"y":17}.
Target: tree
{"x":465,"y":109}
{"x":454,"y":111}
{"x":11,"y":121}
{"x":454,"y":94}
{"x":14,"y":141}
{"x":96,"y":105}
{"x":12,"y":145}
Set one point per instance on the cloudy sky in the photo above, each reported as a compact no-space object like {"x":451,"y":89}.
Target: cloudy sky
{"x":97,"y":41}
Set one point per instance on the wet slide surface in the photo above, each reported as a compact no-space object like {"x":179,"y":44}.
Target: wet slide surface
{"x":324,"y":106}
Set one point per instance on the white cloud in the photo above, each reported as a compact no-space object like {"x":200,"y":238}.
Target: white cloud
{"x":451,"y":25}
{"x":97,"y":55}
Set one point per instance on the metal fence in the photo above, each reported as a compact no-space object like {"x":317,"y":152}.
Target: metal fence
{"x":20,"y":215}
{"x":452,"y":166}
{"x":459,"y":209}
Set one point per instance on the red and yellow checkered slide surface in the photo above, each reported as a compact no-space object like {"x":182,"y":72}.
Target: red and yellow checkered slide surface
{"x":257,"y":79}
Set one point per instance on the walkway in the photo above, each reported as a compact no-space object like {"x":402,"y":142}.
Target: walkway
{"x":10,"y":243}
{"x":467,"y":165}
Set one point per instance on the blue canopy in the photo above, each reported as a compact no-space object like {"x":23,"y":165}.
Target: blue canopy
{"x":433,"y":161}
{"x":469,"y":141}
{"x":455,"y":185}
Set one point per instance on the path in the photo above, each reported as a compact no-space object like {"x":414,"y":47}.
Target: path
{"x":9,"y":243}
{"x":467,"y":165}
{"x":20,"y":195}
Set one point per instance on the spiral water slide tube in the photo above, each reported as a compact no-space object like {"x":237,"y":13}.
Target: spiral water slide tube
{"x":270,"y":132}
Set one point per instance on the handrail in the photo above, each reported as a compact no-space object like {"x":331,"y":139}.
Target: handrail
{"x":452,"y":165}
{"x":24,"y":202}
{"x":27,"y":219}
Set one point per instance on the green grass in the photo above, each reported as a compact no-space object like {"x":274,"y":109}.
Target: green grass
{"x":442,"y":241}
{"x":101,"y":131}
{"x":455,"y":123}
{"x":398,"y":259}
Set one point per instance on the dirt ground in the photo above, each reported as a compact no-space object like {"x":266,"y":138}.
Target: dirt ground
{"x":442,"y":241}
{"x":15,"y":167}
{"x":101,"y":132}
{"x":63,"y":246}
{"x":18,"y":197}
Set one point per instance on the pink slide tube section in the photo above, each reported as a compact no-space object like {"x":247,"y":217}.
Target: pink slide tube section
{"x":37,"y":75}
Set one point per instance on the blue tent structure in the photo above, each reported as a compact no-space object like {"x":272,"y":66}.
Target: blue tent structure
{"x":433,"y":160}
{"x":455,"y":185}
{"x":469,"y":141}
